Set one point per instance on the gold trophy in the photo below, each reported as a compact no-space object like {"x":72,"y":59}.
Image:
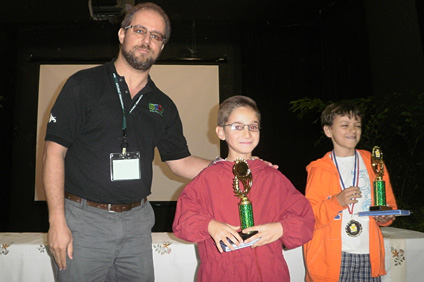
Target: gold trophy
{"x":379,"y":184}
{"x":243,"y":174}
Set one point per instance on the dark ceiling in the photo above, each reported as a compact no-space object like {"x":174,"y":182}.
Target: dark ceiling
{"x":288,"y":11}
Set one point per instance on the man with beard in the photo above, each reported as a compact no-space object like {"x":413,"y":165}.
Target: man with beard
{"x":98,"y":157}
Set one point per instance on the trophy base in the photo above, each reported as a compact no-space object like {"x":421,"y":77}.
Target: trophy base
{"x":244,"y":236}
{"x":380,"y":208}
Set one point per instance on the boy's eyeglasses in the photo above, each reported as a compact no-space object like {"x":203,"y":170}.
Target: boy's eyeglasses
{"x":142,"y":31}
{"x":238,"y":126}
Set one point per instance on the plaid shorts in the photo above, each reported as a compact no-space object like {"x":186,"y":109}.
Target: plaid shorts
{"x":356,"y":268}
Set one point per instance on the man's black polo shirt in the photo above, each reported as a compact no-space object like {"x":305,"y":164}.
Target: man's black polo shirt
{"x":87,"y":119}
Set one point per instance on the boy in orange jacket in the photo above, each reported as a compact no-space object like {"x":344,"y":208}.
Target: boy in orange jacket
{"x":344,"y":247}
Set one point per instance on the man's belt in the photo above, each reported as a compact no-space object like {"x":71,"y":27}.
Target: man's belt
{"x":108,"y":207}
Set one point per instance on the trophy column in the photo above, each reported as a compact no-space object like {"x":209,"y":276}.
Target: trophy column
{"x":246,"y":213}
{"x":379,"y":185}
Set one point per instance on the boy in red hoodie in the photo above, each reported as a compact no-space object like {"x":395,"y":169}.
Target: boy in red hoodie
{"x":207,"y":209}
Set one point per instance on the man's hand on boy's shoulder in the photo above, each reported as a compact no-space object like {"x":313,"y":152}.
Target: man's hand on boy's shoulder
{"x":267,"y":162}
{"x":348,"y":196}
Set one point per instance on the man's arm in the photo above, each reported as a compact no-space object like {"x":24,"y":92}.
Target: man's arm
{"x":59,"y":235}
{"x":191,"y":166}
{"x":188,"y":167}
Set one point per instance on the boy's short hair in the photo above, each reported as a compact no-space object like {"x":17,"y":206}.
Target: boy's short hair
{"x":232,"y":103}
{"x":342,"y":108}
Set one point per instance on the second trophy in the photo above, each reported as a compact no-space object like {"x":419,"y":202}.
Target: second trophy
{"x":379,"y":184}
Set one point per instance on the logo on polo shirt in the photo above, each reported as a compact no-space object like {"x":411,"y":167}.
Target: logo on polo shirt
{"x":156,"y":108}
{"x":52,"y":118}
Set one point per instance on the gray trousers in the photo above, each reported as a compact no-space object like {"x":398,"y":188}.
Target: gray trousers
{"x":109,"y":246}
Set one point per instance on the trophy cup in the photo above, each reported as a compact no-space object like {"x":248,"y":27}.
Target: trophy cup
{"x":243,"y":174}
{"x":379,"y":184}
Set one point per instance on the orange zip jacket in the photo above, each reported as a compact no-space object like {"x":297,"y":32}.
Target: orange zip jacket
{"x":323,"y":253}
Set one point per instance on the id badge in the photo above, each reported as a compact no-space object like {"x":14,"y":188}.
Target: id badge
{"x":125,"y":166}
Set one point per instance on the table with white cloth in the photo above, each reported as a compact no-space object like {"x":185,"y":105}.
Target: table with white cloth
{"x":404,"y":255}
{"x":24,"y":257}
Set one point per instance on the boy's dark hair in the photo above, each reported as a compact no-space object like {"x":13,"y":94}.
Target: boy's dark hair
{"x":148,"y":6}
{"x":232,"y":103}
{"x":341,"y":108}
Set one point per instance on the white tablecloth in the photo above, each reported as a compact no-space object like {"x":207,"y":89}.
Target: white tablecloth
{"x":23,"y":258}
{"x":404,"y":255}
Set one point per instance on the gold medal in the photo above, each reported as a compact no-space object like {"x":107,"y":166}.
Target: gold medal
{"x":353,"y":228}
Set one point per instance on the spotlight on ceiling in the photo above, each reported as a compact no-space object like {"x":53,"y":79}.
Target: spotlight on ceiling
{"x":108,"y":10}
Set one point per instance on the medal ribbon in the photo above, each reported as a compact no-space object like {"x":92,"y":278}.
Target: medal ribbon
{"x":355,"y":176}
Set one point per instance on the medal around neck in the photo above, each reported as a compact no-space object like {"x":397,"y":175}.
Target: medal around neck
{"x":379,"y":185}
{"x":353,"y":228}
{"x":243,"y":175}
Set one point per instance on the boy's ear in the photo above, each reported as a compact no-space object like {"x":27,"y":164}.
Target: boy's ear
{"x":327,"y":131}
{"x":220,"y":132}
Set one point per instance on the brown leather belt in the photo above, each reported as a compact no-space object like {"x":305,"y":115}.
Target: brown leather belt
{"x":108,"y":207}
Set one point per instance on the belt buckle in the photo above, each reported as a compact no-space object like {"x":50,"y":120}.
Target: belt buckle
{"x":109,"y":206}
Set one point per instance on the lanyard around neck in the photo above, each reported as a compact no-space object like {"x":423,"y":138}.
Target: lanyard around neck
{"x":355,"y":175}
{"x":124,"y":115}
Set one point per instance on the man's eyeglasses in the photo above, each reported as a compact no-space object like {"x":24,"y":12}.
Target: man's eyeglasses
{"x":238,"y":126}
{"x":142,"y":31}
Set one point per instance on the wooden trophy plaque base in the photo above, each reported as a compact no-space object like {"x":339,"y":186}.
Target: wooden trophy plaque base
{"x":380,"y":208}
